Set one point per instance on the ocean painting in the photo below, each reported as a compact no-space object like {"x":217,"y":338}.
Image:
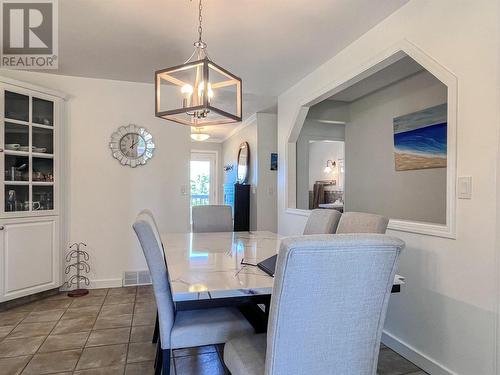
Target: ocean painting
{"x":420,"y":139}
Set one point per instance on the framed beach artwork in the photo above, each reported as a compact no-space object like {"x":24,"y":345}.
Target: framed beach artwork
{"x":420,"y":139}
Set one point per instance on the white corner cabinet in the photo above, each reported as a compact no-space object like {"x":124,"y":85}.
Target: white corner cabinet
{"x":31,"y":174}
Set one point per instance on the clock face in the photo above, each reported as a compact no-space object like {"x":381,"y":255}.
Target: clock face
{"x":132,"y":145}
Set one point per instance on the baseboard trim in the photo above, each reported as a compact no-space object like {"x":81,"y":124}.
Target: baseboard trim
{"x":413,"y":355}
{"x":105,"y":283}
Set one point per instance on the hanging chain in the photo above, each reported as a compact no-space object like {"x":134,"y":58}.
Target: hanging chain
{"x":200,"y":46}
{"x":200,"y":19}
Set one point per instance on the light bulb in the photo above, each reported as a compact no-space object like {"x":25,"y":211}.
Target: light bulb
{"x":201,"y":87}
{"x":327,"y":170}
{"x":210,"y":91}
{"x":186,"y":91}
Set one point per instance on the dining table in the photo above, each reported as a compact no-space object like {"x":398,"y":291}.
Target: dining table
{"x":208,"y":270}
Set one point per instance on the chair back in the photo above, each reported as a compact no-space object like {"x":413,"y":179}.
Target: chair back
{"x":148,"y":216}
{"x":360,"y":222}
{"x":322,"y":221}
{"x":212,"y":218}
{"x":329,"y":302}
{"x":159,"y":276}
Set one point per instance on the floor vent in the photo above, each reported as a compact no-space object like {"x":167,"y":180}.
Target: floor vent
{"x":131,"y":278}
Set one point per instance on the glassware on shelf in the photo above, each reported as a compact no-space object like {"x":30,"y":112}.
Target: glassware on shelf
{"x":16,"y":198}
{"x":43,"y":198}
{"x":16,"y":168}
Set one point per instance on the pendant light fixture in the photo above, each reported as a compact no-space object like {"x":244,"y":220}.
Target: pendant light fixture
{"x":198,"y":136}
{"x":198,"y":92}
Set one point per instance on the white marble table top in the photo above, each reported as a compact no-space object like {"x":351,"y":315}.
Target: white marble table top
{"x":208,"y":265}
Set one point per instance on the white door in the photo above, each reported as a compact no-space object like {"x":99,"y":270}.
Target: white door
{"x":29,"y":260}
{"x":203,"y":178}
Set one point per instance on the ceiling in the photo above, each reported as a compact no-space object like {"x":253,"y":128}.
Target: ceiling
{"x":401,"y":69}
{"x":269,"y":44}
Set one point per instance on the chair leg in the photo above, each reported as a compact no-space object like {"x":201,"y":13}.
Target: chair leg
{"x":156,"y":332}
{"x":158,"y":359}
{"x":165,"y":361}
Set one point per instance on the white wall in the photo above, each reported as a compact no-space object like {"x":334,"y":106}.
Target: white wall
{"x":445,"y":317}
{"x":319,"y":154}
{"x":104,"y":197}
{"x":261,"y":135}
{"x":267,"y":203}
{"x":373,"y":184}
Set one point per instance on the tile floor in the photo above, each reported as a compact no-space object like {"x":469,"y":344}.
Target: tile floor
{"x":109,"y":332}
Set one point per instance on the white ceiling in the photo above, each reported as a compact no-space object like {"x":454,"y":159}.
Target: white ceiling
{"x":269,"y":44}
{"x":401,"y":69}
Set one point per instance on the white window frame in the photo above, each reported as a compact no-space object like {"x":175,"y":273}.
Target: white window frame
{"x":212,"y":157}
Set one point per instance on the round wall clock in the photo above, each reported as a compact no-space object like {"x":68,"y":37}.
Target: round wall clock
{"x":132,"y":145}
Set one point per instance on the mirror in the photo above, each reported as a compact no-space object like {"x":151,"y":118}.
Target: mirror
{"x":243,"y":162}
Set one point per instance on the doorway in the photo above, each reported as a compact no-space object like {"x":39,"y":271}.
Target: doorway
{"x":203,"y":178}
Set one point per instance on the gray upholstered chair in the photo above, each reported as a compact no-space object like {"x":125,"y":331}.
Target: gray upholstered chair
{"x":328,"y":308}
{"x":360,"y":222}
{"x":149,"y":217}
{"x":212,"y":218}
{"x":182,"y":329}
{"x":322,"y":221}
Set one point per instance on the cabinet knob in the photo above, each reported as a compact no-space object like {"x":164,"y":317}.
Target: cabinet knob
{"x":2,"y":227}
{"x":1,"y":149}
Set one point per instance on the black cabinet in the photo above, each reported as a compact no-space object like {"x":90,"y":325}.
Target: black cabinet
{"x":241,"y":207}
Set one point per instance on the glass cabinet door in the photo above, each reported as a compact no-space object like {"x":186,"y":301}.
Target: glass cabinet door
{"x":28,"y":135}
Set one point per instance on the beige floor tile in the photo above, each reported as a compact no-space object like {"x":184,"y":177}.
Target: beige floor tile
{"x":122,"y":291}
{"x":145,"y":289}
{"x":49,"y":363}
{"x":87,"y":301}
{"x":31,"y":330}
{"x":83,"y":311}
{"x":142,"y":333}
{"x":140,"y":368}
{"x":82,"y":324}
{"x":13,"y":366}
{"x":98,"y":292}
{"x":102,"y":356}
{"x":10,"y":318}
{"x":141,"y":351}
{"x":141,"y":308}
{"x":5,"y":330}
{"x":113,"y":370}
{"x":144,"y":319}
{"x":109,"y":336}
{"x":58,"y":296}
{"x":52,"y":305}
{"x":18,"y":347}
{"x":145,"y":299}
{"x":65,"y":341}
{"x":119,"y":299}
{"x":116,"y":321}
{"x":44,"y":316}
{"x":109,"y":310}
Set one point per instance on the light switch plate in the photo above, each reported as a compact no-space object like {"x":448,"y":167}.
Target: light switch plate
{"x":465,"y":187}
